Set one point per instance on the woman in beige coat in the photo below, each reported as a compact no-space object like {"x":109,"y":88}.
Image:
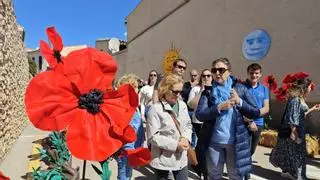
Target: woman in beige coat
{"x":169,"y":131}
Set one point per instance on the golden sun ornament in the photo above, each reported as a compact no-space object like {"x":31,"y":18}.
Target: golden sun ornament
{"x":169,"y":58}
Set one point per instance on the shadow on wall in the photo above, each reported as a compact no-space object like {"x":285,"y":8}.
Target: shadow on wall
{"x":312,"y":120}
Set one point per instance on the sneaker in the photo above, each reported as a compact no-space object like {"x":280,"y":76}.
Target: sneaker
{"x":287,"y":175}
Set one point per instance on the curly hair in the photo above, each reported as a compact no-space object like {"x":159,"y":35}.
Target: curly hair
{"x":131,"y":79}
{"x":298,"y":88}
{"x":167,"y":83}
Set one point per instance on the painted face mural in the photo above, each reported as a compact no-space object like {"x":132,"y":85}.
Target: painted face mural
{"x":256,"y":45}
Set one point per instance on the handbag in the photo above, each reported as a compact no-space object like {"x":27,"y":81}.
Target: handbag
{"x":191,"y":153}
{"x":284,"y":132}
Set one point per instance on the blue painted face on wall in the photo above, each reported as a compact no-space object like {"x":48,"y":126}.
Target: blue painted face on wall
{"x":256,"y":45}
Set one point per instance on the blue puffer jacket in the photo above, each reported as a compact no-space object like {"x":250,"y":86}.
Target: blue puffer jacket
{"x":208,"y":114}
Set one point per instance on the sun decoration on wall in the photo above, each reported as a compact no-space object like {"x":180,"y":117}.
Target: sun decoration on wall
{"x":169,"y":57}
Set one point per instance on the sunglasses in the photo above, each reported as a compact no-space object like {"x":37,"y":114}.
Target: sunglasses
{"x":181,"y":67}
{"x":221,"y":70}
{"x":176,"y":92}
{"x":153,"y":75}
{"x":206,"y":75}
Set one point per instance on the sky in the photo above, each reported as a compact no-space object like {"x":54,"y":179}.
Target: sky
{"x":79,"y":22}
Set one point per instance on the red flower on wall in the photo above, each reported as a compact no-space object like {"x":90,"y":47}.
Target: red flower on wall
{"x":81,"y":101}
{"x":138,"y":157}
{"x":281,"y":92}
{"x":53,"y":56}
{"x":290,"y":78}
{"x":270,"y":82}
{"x":312,"y":86}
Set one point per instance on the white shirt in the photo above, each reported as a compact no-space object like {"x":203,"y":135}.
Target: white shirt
{"x":145,"y":97}
{"x":196,"y":90}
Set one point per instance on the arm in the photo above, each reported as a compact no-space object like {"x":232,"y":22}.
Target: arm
{"x":203,"y":111}
{"x":154,"y":136}
{"x":194,"y":97}
{"x":187,"y":131}
{"x":265,"y":109}
{"x":135,"y":123}
{"x":142,"y":98}
{"x":248,"y":108}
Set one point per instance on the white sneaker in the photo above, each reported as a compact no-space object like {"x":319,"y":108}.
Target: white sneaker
{"x":287,"y":175}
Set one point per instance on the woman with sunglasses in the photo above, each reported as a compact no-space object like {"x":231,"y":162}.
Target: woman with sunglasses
{"x":194,"y":96}
{"x":229,"y":102}
{"x":146,"y":92}
{"x":169,"y":131}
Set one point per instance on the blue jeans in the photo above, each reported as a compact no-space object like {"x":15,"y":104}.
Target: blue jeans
{"x":216,"y":156}
{"x":124,"y":170}
{"x":193,"y":135}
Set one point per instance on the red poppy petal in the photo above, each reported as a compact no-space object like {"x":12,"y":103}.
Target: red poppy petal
{"x":129,"y":135}
{"x":88,"y":137}
{"x":47,"y":52}
{"x":3,"y":177}
{"x":138,"y":157}
{"x":300,"y":75}
{"x":55,"y":39}
{"x":120,"y":105}
{"x":312,"y":86}
{"x":288,"y":79}
{"x":50,"y":101}
{"x":90,"y":68}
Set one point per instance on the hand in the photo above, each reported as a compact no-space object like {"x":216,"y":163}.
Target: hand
{"x":316,"y":107}
{"x":226,"y":105}
{"x":182,"y":146}
{"x":234,"y":96}
{"x":253,"y":127}
{"x":294,"y":136}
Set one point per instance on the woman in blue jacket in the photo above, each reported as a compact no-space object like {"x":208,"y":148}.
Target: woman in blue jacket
{"x":224,"y":107}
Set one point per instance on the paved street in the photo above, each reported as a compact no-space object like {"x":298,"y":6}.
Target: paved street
{"x":16,"y":163}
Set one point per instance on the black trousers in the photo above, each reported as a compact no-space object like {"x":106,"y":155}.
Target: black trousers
{"x":254,"y":139}
{"x":178,"y":175}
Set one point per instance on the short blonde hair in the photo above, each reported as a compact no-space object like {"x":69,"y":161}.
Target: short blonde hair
{"x":131,"y":79}
{"x":167,"y":83}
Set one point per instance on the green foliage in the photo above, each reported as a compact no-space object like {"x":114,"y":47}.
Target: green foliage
{"x":32,"y":67}
{"x":58,"y":141}
{"x":51,"y":174}
{"x":105,"y":174}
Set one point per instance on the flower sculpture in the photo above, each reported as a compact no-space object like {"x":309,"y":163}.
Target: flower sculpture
{"x":138,"y":157}
{"x":270,"y":82}
{"x":281,"y":93}
{"x":76,"y":95}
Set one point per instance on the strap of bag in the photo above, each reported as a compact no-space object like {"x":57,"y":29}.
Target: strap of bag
{"x":176,"y":123}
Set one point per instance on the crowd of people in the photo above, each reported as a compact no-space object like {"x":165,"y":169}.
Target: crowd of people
{"x":217,"y":116}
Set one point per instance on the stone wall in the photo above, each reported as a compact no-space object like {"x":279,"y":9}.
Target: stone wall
{"x":14,"y":76}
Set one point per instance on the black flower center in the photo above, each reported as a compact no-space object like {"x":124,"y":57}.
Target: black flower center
{"x":91,"y":101}
{"x":57,"y":55}
{"x":270,"y":81}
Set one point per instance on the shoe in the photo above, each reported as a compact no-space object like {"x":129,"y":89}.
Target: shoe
{"x":287,"y":175}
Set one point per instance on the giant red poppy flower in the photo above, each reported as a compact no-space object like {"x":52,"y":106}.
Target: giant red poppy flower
{"x":3,"y":177}
{"x":53,"y":56}
{"x":270,"y":82}
{"x":81,"y":101}
{"x":138,"y":157}
{"x":290,"y":78}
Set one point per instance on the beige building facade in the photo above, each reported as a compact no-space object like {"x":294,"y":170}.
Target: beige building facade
{"x":209,"y":29}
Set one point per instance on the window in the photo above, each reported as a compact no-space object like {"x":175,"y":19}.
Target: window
{"x":40,"y":63}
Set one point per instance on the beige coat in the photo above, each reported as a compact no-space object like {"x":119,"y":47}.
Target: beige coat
{"x":163,"y":136}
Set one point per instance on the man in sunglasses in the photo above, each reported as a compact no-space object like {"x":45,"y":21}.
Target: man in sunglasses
{"x":179,"y":67}
{"x":260,"y":94}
